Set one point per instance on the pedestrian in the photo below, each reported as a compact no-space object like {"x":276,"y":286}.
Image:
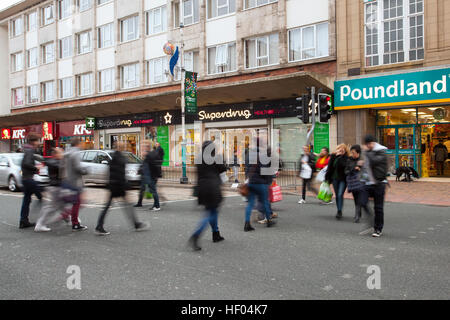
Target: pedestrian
{"x":154,"y":161}
{"x":73,"y":180}
{"x":235,"y":166}
{"x":209,"y":193}
{"x":259,"y":181}
{"x":440,"y":155}
{"x":323,"y":158}
{"x":145,"y":174}
{"x":375,"y":166}
{"x":355,"y":185}
{"x":30,"y":186}
{"x":118,"y":186}
{"x":307,"y":165}
{"x":336,"y":175}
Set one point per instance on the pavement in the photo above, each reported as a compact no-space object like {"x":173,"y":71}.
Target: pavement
{"x":306,"y":255}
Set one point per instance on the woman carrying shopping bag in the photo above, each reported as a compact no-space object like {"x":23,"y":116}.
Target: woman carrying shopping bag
{"x":307,"y":167}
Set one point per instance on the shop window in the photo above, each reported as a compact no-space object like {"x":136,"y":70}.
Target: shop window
{"x":434,"y":114}
{"x":396,"y":117}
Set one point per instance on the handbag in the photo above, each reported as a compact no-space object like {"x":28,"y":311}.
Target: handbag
{"x":306,"y":172}
{"x":321,"y":175}
{"x":325,"y":192}
{"x":275,"y":194}
{"x":354,"y":181}
{"x":243,"y":189}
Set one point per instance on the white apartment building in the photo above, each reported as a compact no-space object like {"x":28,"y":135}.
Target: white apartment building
{"x":64,"y":60}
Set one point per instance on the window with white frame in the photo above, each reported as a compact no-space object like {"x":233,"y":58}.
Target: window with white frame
{"x":85,"y":84}
{"x":248,"y":4}
{"x":129,"y":76}
{"x":106,"y":80}
{"x":103,"y":1}
{"x":48,"y":52}
{"x":190,"y":61}
{"x":261,"y":51}
{"x":84,"y":5}
{"x":157,"y":70}
{"x":65,"y":47}
{"x":33,"y":93}
{"x":189,"y":12}
{"x":106,"y":35}
{"x":66,"y":88}
{"x":308,"y":42}
{"x":156,"y":20}
{"x":129,"y":29}
{"x":47,"y":16}
{"x":17,"y":61}
{"x":64,"y":8}
{"x":48,"y":91}
{"x":32,"y":58}
{"x":16,"y":27}
{"x":222,"y":58}
{"x":17,"y":96}
{"x":84,"y":42}
{"x":32,"y":21}
{"x":217,"y":8}
{"x":394,"y":31}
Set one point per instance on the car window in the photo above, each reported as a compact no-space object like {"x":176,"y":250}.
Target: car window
{"x":90,"y":156}
{"x":17,"y":159}
{"x":101,"y":156}
{"x":3,"y":160}
{"x":82,"y":153}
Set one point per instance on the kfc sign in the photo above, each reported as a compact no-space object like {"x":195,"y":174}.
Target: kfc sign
{"x":6,"y":134}
{"x":73,"y":129}
{"x":18,"y":133}
{"x":80,"y":130}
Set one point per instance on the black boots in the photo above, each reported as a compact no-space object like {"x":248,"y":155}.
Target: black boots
{"x":270,"y":223}
{"x":339,"y":215}
{"x":248,"y":227}
{"x":26,"y":224}
{"x":216,"y":237}
{"x":193,"y":242}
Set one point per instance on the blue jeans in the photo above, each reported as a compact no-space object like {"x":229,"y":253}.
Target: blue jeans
{"x":152,"y":188}
{"x":262,"y":192}
{"x":339,"y":187}
{"x":211,"y":217}
{"x":29,"y":187}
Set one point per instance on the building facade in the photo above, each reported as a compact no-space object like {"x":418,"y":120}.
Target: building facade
{"x":393,"y":62}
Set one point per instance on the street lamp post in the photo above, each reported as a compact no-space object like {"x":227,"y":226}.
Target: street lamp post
{"x":184,"y":178}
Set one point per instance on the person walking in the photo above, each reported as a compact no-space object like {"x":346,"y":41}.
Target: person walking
{"x":117,"y":186}
{"x":375,"y":165}
{"x":209,"y":193}
{"x":323,"y":158}
{"x":307,"y":165}
{"x":73,"y":180}
{"x":440,"y":155}
{"x":30,"y":187}
{"x":354,"y":183}
{"x":336,"y":175}
{"x":154,"y":161}
{"x":145,"y":174}
{"x":236,"y":167}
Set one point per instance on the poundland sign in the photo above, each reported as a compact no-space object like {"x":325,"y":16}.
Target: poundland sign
{"x":425,"y":87}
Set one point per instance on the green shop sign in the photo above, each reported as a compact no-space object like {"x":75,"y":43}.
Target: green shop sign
{"x":321,"y":136}
{"x":412,"y":88}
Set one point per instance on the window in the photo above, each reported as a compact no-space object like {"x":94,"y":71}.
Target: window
{"x":103,"y":1}
{"x":66,"y":88}
{"x":84,"y":42}
{"x":85,"y":84}
{"x":64,"y":8}
{"x":84,"y":5}
{"x":48,"y":91}
{"x":16,"y":27}
{"x":190,"y":12}
{"x":222,"y":58}
{"x":261,"y":51}
{"x":32,"y":21}
{"x":394,"y":31}
{"x":308,"y":42}
{"x":17,"y":61}
{"x":248,"y":4}
{"x":17,"y":96}
{"x":129,"y":76}
{"x":106,"y":36}
{"x":156,"y":20}
{"x":65,"y":47}
{"x":190,"y":62}
{"x":48,"y":53}
{"x":33,"y":94}
{"x":129,"y":29}
{"x":47,"y":15}
{"x":32,"y":58}
{"x":157,"y":70}
{"x":106,"y":80}
{"x":218,"y":8}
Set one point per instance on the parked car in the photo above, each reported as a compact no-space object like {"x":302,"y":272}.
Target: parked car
{"x":97,"y":162}
{"x":11,"y":172}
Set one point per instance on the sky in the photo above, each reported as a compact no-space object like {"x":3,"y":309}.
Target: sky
{"x":6,"y":3}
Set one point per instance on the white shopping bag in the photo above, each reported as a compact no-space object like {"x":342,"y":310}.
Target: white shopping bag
{"x":306,"y":172}
{"x":321,"y":175}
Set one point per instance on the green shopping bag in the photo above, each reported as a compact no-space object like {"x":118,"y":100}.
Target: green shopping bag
{"x":148,"y":194}
{"x":325,"y":192}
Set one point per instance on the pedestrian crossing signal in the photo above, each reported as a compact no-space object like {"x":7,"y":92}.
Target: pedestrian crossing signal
{"x":303,"y":108}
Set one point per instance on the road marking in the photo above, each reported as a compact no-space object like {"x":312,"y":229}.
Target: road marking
{"x":11,"y":225}
{"x":366,"y":231}
{"x":347,"y":276}
{"x":412,"y":237}
{"x":11,"y":195}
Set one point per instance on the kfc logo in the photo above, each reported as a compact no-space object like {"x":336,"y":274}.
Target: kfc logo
{"x":18,"y":134}
{"x":80,"y":130}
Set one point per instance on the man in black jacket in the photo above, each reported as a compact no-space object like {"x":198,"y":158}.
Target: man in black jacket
{"x":154,"y":161}
{"x":30,"y":186}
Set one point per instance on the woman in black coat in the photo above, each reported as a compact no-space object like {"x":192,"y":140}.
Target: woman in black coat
{"x":209,"y":193}
{"x":117,"y":186}
{"x":336,"y":175}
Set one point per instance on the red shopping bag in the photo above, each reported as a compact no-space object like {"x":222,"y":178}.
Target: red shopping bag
{"x":275,"y":194}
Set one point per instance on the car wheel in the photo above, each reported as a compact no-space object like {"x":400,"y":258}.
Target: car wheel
{"x":12,"y":184}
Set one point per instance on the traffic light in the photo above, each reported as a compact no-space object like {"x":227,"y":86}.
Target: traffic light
{"x":303,"y":108}
{"x":325,"y":107}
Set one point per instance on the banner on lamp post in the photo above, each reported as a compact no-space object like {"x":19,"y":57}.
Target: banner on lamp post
{"x":190,"y":92}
